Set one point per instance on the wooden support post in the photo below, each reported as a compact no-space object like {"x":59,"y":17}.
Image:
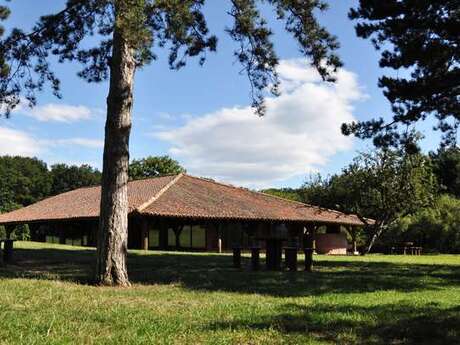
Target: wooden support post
{"x":9,"y":229}
{"x":144,"y":234}
{"x":61,"y":231}
{"x":255,"y":258}
{"x":273,"y":254}
{"x":290,"y":254}
{"x":177,"y":231}
{"x":1,"y":254}
{"x":218,"y":227}
{"x":237,"y":257}
{"x":8,"y":251}
{"x":308,"y":259}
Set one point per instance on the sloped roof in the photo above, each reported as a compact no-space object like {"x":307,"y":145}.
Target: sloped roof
{"x":181,"y":196}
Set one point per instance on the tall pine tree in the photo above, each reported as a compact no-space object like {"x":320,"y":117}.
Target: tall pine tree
{"x":129,"y":32}
{"x":420,"y":39}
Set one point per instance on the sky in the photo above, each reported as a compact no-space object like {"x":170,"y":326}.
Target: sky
{"x":201,"y":116}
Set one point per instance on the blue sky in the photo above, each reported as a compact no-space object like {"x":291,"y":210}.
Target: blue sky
{"x":200,"y":115}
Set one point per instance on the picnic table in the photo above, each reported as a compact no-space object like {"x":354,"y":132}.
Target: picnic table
{"x":6,"y":255}
{"x":407,"y":248}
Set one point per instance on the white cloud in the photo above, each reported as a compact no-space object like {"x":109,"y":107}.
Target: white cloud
{"x":300,"y":132}
{"x":84,"y":142}
{"x":18,"y":143}
{"x":58,"y":112}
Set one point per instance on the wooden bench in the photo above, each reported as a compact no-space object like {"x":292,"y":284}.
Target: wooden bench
{"x":6,"y":255}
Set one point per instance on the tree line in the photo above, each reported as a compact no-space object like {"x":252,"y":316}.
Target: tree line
{"x":400,"y":196}
{"x":25,"y":180}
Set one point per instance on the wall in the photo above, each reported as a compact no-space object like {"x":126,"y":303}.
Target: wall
{"x":333,"y":244}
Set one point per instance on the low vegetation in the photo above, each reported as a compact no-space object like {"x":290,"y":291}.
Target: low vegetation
{"x":185,"y":298}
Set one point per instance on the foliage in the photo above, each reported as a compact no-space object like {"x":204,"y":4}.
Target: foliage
{"x":199,"y":299}
{"x":446,"y":166}
{"x":147,"y":25}
{"x":286,"y":193}
{"x":154,"y":166}
{"x":435,"y":229}
{"x":420,"y":40}
{"x":4,"y":68}
{"x":382,"y":185}
{"x":66,"y":178}
{"x":23,"y":181}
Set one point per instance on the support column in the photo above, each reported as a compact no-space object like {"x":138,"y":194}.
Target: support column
{"x":218,"y":227}
{"x":9,"y":229}
{"x":255,"y":258}
{"x":237,"y":257}
{"x":144,"y":234}
{"x":310,"y":249}
{"x":62,"y":232}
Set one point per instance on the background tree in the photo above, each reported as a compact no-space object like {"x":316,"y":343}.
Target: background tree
{"x":420,"y":40}
{"x":23,"y":181}
{"x":446,"y":166}
{"x":128,"y":32}
{"x":382,"y":185}
{"x":286,"y":193}
{"x":436,"y":228}
{"x":153,"y":167}
{"x":66,"y":178}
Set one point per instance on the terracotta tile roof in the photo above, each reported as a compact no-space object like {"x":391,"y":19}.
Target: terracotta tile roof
{"x":84,"y":202}
{"x":200,"y":198}
{"x":180,"y":196}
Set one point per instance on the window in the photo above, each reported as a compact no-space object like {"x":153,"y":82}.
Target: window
{"x":185,"y":237}
{"x":171,"y":238}
{"x":154,"y":238}
{"x":198,"y":237}
{"x":52,"y":239}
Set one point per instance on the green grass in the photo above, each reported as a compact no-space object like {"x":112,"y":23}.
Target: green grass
{"x":184,"y":298}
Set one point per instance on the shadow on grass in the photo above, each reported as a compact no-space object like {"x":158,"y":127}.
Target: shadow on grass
{"x":344,"y":324}
{"x":212,"y":272}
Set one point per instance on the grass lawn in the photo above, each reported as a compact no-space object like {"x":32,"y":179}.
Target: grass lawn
{"x":184,"y":298}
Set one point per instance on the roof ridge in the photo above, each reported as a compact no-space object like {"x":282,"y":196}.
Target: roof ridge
{"x":153,"y":177}
{"x":160,"y":193}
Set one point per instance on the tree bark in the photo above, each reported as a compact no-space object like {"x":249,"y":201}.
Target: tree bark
{"x":113,"y":221}
{"x":377,"y":232}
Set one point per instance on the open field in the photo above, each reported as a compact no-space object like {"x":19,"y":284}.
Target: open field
{"x":184,"y":298}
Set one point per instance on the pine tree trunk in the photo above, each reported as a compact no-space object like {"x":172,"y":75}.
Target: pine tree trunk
{"x":113,"y":222}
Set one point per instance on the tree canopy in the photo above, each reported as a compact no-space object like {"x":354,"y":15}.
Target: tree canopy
{"x":66,"y":178}
{"x":420,"y":40}
{"x":446,"y":166}
{"x":435,"y":228}
{"x":380,"y":187}
{"x":23,"y":181}
{"x":154,"y":166}
{"x":149,"y":25}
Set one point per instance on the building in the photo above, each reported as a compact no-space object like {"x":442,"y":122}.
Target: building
{"x":182,"y":212}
